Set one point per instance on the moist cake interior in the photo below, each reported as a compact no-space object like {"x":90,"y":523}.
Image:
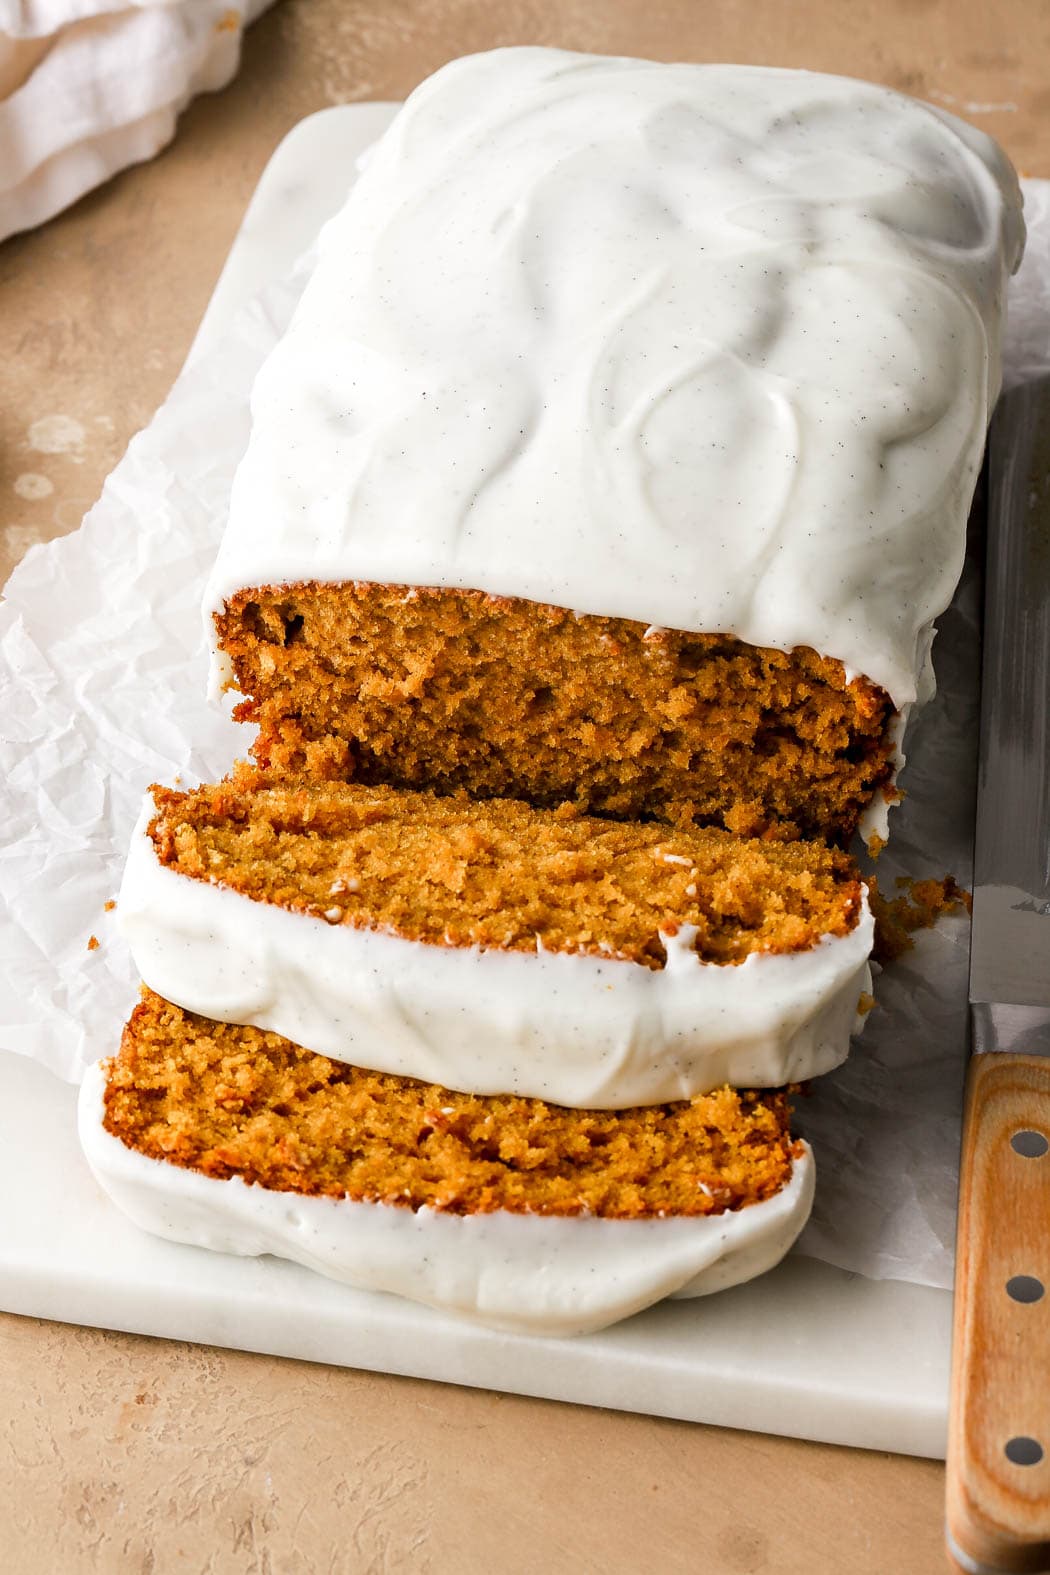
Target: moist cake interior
{"x":457,"y":690}
{"x":499,"y":873}
{"x":226,"y":1101}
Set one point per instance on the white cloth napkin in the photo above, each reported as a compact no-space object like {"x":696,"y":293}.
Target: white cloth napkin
{"x":88,"y":87}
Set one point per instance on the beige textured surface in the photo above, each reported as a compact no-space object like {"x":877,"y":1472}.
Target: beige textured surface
{"x":123,"y":1454}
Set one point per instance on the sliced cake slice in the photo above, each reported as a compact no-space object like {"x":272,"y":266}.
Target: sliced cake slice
{"x":513,"y":1212}
{"x":498,"y":948}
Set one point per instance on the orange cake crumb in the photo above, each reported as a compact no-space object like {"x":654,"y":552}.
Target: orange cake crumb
{"x":231,"y":1101}
{"x":454,"y":689}
{"x":917,"y":908}
{"x":498,"y":873}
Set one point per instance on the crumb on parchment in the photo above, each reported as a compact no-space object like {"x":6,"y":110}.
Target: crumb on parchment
{"x":919,"y":906}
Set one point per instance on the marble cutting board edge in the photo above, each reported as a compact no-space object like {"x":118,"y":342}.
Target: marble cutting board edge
{"x":808,"y":1351}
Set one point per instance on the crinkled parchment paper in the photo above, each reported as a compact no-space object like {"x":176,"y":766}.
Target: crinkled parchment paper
{"x":102,"y":671}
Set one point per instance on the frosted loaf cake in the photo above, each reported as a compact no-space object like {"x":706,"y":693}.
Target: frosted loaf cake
{"x":580,"y":574}
{"x":689,"y":367}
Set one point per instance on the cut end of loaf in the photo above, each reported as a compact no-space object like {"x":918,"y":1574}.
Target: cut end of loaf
{"x":456,"y":690}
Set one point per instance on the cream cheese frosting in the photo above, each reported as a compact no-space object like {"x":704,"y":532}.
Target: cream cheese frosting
{"x":578,"y":1030}
{"x":524,"y":1273}
{"x":713,"y":347}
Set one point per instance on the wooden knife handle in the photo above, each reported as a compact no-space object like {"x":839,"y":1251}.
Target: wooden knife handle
{"x":998,"y":1489}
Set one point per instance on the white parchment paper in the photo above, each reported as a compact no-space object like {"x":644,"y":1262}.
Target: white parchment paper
{"x":102,"y":671}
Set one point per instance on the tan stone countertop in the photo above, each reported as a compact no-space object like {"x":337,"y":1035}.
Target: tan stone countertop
{"x":119,"y":1453}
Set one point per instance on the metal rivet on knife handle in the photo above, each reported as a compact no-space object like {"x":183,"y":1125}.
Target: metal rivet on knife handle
{"x":1030,"y":1145}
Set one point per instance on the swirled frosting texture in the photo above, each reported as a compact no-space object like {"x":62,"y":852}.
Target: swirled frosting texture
{"x":713,"y":347}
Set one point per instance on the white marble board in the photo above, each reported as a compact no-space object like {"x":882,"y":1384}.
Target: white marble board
{"x":808,"y":1350}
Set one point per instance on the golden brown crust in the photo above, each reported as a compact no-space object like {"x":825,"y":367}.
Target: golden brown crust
{"x":454,"y":689}
{"x":231,"y":1101}
{"x":498,"y":873}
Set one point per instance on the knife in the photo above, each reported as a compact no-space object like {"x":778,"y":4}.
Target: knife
{"x":998,"y":1478}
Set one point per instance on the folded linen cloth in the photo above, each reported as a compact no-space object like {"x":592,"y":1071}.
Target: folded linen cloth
{"x":88,"y":87}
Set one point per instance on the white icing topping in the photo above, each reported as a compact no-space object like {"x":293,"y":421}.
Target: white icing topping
{"x":583,"y":1031}
{"x":524,"y":1273}
{"x":711,"y":347}
{"x":874,"y":824}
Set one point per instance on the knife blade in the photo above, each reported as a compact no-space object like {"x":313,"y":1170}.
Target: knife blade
{"x":998,"y":1473}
